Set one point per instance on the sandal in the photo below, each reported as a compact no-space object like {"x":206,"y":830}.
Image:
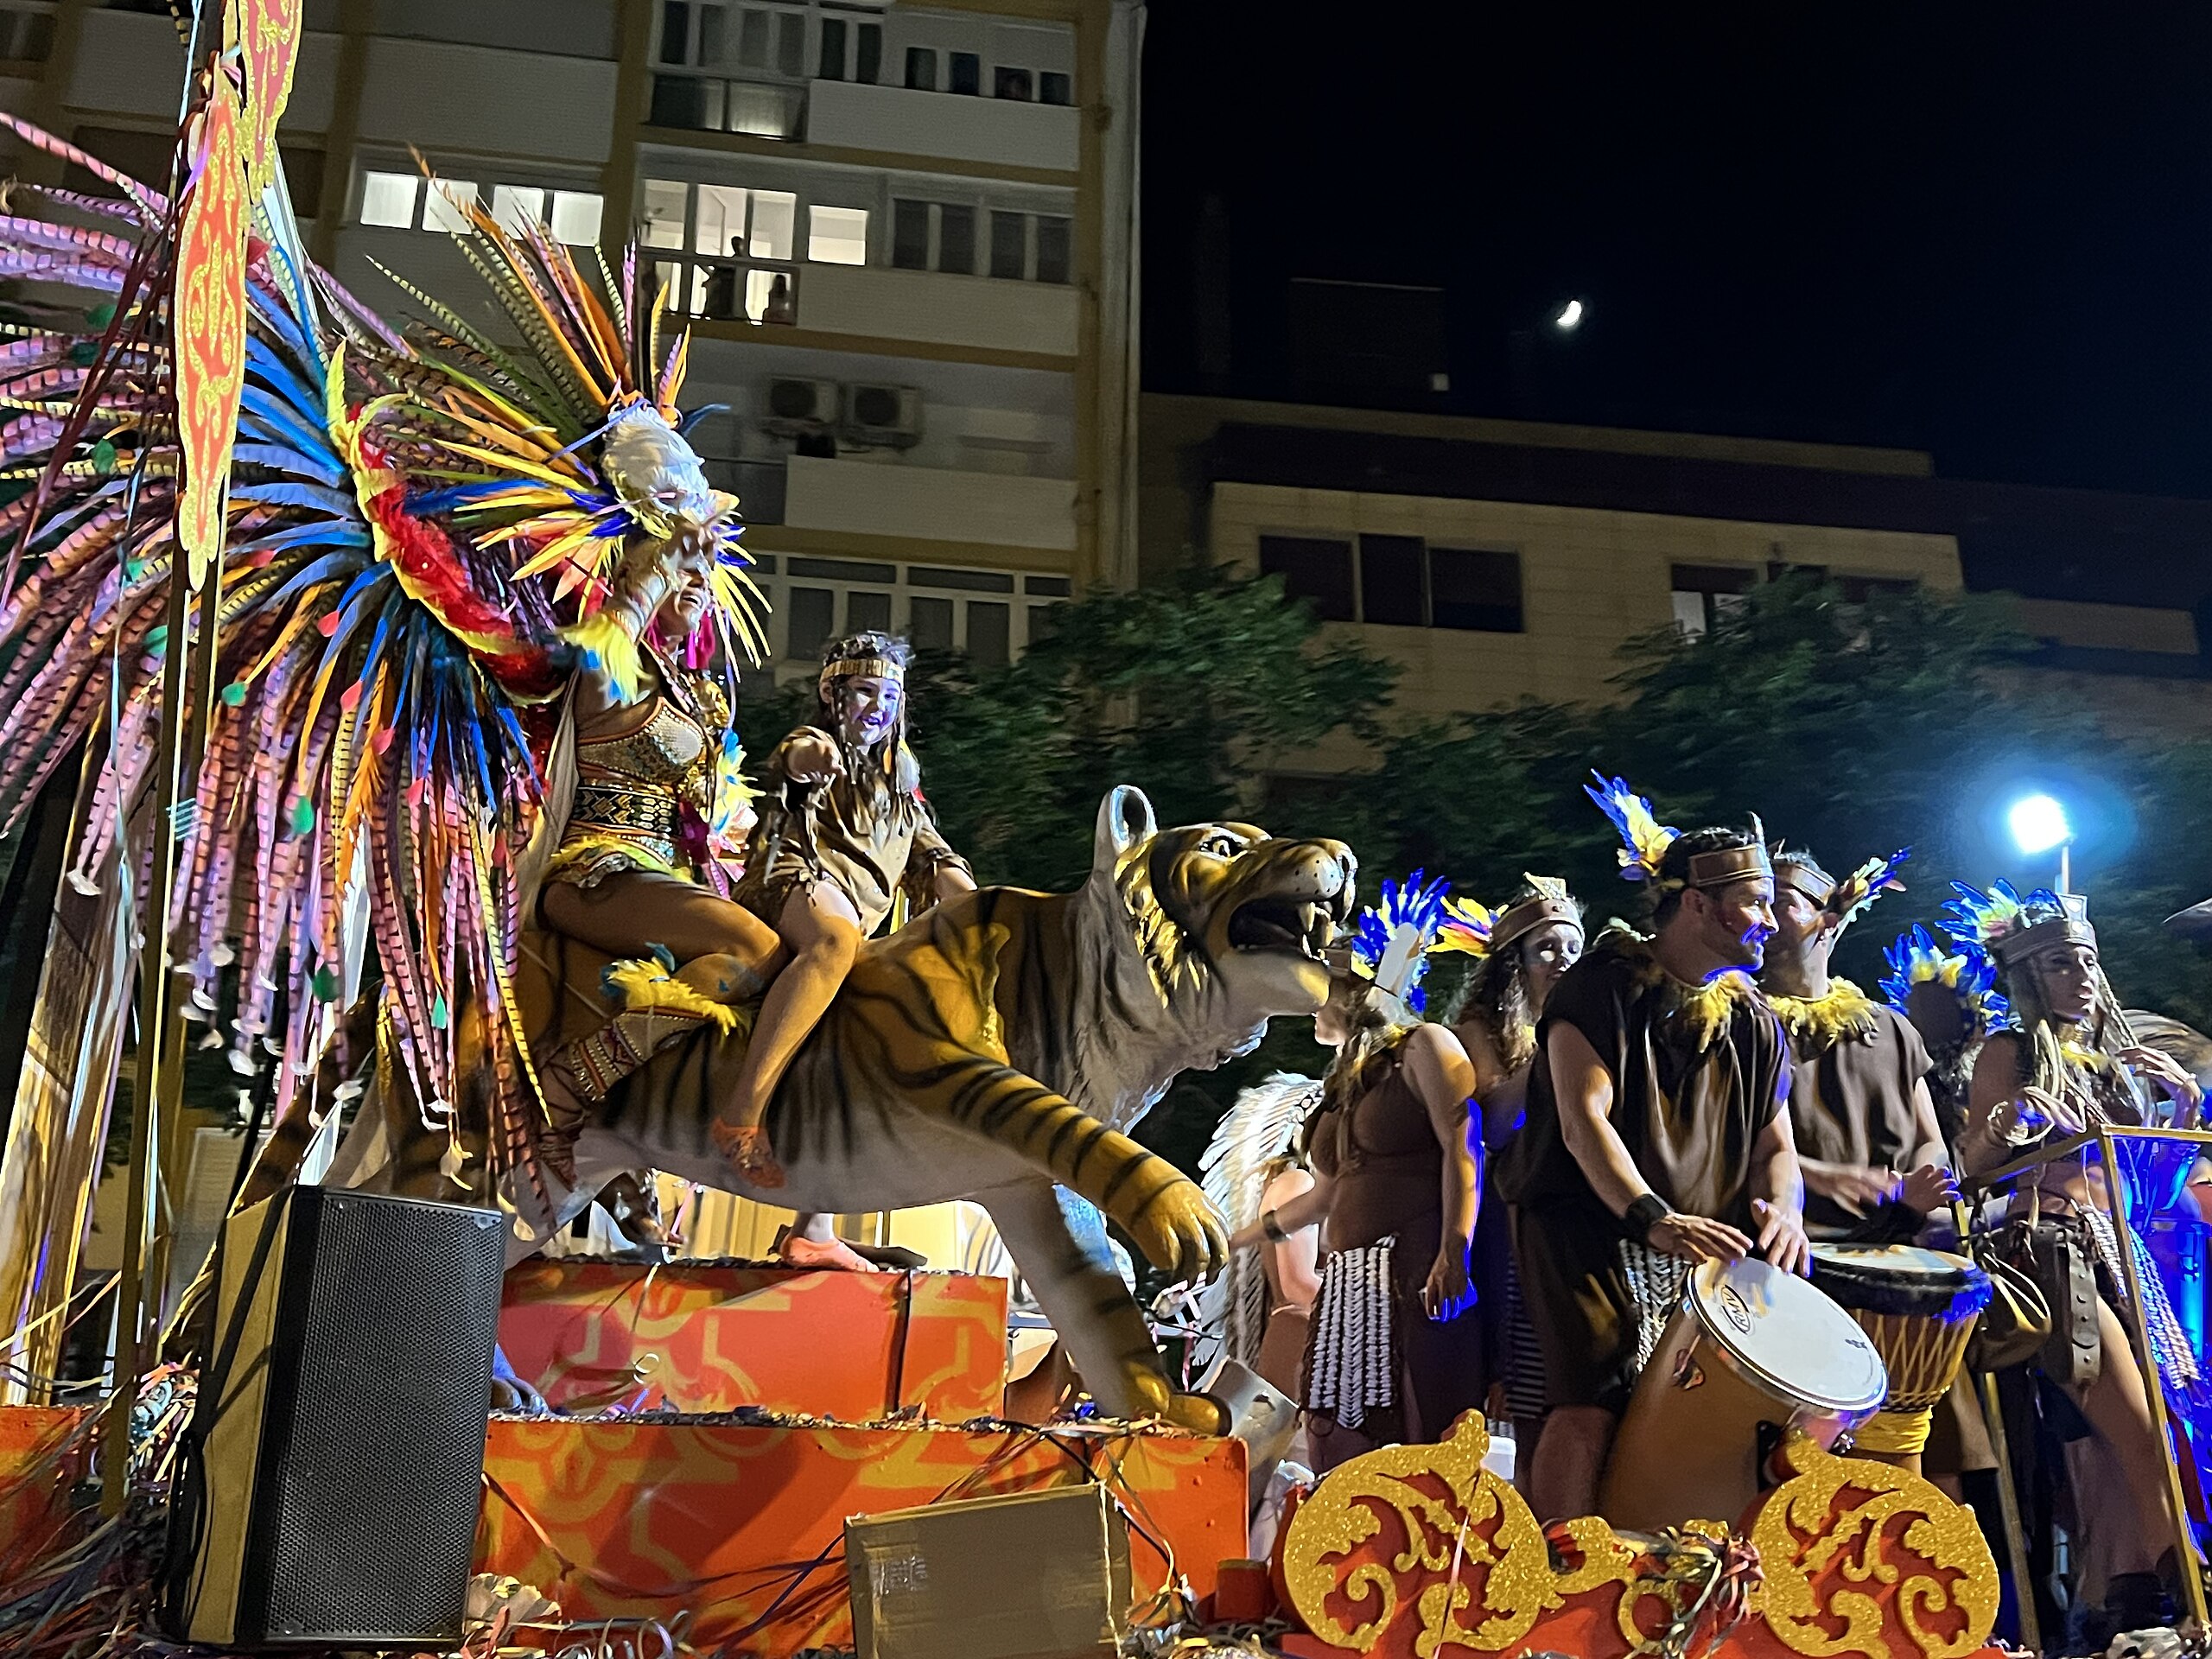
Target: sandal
{"x":746,"y":1147}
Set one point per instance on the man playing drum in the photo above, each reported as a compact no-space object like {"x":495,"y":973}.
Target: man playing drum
{"x":1872,"y":1153}
{"x":1656,"y":1134}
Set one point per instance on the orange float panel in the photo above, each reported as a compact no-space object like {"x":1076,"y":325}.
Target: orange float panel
{"x":743,"y":1526}
{"x":39,"y":1464}
{"x":702,"y":1337}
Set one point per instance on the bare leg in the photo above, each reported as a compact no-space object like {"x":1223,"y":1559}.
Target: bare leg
{"x":1570,"y":1458}
{"x":2118,"y":1407}
{"x":626,"y":915}
{"x":822,"y":933}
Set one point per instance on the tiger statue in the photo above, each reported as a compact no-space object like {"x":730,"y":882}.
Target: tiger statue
{"x":1000,"y":1043}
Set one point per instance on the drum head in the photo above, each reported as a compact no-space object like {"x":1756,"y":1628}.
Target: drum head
{"x":1787,"y":1336}
{"x":1901,"y":1279}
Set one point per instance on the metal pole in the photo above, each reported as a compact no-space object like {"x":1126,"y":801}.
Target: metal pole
{"x":2154,"y":1383}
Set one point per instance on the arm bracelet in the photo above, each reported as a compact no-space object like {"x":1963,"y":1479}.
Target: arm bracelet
{"x":1273,"y":1228}
{"x":1644,"y":1215}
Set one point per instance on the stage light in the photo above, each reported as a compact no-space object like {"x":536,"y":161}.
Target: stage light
{"x":2038,"y":823}
{"x":1570,"y":317}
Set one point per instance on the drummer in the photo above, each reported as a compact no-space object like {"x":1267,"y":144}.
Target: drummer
{"x":2072,"y":1063}
{"x":1656,"y":1134}
{"x":1860,"y":1111}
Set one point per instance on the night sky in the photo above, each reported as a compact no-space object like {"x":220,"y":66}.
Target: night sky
{"x":1979,"y":230}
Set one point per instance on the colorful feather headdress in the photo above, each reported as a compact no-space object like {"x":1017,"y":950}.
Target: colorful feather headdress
{"x":1644,"y":842}
{"x":1969,"y":973}
{"x":1848,"y":898}
{"x":2012,"y":928}
{"x":1389,"y":946}
{"x":1470,"y":929}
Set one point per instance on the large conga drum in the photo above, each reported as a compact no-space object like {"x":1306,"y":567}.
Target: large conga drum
{"x":1918,"y":1308}
{"x":1751,"y":1353}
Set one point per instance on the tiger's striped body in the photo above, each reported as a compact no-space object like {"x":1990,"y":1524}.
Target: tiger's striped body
{"x":999,"y":1044}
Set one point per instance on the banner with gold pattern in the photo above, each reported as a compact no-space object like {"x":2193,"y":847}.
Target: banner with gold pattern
{"x":211,"y":326}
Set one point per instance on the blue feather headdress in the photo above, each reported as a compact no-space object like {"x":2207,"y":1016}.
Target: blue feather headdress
{"x":1644,"y":840}
{"x":1968,"y":973}
{"x":1391,"y":943}
{"x":2011,"y":927}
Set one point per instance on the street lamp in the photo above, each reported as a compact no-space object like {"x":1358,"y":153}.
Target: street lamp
{"x":2038,"y":823}
{"x":1570,"y":317}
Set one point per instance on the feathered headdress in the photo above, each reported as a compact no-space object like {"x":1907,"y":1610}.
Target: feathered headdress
{"x":2012,"y":928}
{"x":1969,"y":973}
{"x":1645,"y":841}
{"x":1848,"y":898}
{"x":1391,"y":943}
{"x":1472,"y":930}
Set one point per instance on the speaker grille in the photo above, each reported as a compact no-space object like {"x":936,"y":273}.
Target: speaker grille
{"x":377,"y":1484}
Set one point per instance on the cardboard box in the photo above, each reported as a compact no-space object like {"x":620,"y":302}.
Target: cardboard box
{"x":709,"y":1336}
{"x":1034,"y":1575}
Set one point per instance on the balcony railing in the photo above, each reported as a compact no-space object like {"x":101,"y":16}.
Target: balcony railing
{"x":711,"y":103}
{"x":733,"y":289}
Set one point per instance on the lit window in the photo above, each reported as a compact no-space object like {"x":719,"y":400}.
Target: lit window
{"x":576,"y":215}
{"x":515,"y":208}
{"x":837,"y":236}
{"x":665,"y":203}
{"x":719,"y":228}
{"x":444,"y":209}
{"x":389,"y":198}
{"x":775,"y":220}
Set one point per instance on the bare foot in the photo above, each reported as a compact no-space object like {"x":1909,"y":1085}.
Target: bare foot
{"x":795,"y":1251}
{"x":747,"y":1148}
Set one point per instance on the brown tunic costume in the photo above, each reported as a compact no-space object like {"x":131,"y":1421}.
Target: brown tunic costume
{"x":1697,"y":1073}
{"x":1854,"y":1066}
{"x":866,"y":838}
{"x":1383,"y":1155}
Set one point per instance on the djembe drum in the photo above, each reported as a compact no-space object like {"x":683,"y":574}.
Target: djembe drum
{"x":1751,"y":1353}
{"x":1918,"y":1308}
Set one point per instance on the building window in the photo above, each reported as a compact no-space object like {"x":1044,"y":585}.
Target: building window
{"x":1398,"y":581}
{"x":576,"y":217}
{"x":1010,"y":245}
{"x":967,"y":76}
{"x":832,"y":56}
{"x":388,"y":199}
{"x":836,"y":236}
{"x":921,"y":69}
{"x":981,"y":613}
{"x":1017,"y":83}
{"x":1475,"y":588}
{"x":956,"y":239}
{"x":1314,"y":570}
{"x":910,"y":234}
{"x":867,"y":67}
{"x":1055,"y":248}
{"x":1857,"y":590}
{"x":1703,"y":593}
{"x":1053,"y":87}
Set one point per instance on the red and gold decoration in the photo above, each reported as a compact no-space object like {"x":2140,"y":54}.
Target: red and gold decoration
{"x":211,"y":327}
{"x":706,"y":1337}
{"x":1413,"y":1552}
{"x":44,"y":1451}
{"x":266,"y":34}
{"x":742,"y":1525}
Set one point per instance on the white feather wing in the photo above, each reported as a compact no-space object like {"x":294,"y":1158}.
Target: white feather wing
{"x":1255,"y":1130}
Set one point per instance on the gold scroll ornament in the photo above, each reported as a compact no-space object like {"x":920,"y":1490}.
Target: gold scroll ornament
{"x":1474,"y":1572}
{"x":266,"y":34}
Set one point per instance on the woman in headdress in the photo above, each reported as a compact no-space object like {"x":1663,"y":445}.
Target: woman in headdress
{"x":2072,"y":1065}
{"x":1395,"y":1354}
{"x":1520,"y":952}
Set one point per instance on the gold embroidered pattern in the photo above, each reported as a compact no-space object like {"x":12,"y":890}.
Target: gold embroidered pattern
{"x":1892,"y":1538}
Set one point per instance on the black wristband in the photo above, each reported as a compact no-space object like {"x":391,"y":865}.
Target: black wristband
{"x":1273,"y":1228}
{"x":1644,"y":1215}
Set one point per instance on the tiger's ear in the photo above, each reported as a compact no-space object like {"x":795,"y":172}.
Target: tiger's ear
{"x":1125,"y":819}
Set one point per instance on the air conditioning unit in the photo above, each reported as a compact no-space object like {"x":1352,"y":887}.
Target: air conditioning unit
{"x":795,"y":408}
{"x":883,"y":416}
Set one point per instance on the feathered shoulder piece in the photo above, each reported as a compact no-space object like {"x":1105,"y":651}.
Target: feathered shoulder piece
{"x":1967,"y":974}
{"x":1824,"y":1021}
{"x":1704,"y":1011}
{"x":1644,"y":840}
{"x":1391,"y":943}
{"x":1258,"y":1127}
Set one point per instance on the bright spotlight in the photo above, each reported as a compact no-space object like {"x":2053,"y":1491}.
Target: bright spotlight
{"x":1570,"y":317}
{"x":2038,"y":823}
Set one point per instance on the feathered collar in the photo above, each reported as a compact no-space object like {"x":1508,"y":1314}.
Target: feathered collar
{"x":1703,"y":1011}
{"x":1824,"y":1021}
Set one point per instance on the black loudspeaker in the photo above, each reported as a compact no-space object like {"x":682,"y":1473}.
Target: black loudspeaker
{"x":328,"y":1490}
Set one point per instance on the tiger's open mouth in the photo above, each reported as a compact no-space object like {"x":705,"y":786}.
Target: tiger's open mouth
{"x":1301,"y":926}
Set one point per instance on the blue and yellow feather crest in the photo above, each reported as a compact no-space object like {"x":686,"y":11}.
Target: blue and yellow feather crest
{"x":1644,"y":840}
{"x":1982,"y":918}
{"x":1391,"y":942}
{"x":1968,"y":973}
{"x":1859,"y":890}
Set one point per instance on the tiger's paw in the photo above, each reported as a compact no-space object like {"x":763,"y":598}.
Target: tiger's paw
{"x":1180,"y":1232}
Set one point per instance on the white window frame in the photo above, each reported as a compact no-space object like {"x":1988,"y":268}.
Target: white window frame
{"x":1021,"y":602}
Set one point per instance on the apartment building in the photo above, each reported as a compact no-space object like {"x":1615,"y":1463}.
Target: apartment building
{"x":1498,"y":559}
{"x":903,"y":235}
